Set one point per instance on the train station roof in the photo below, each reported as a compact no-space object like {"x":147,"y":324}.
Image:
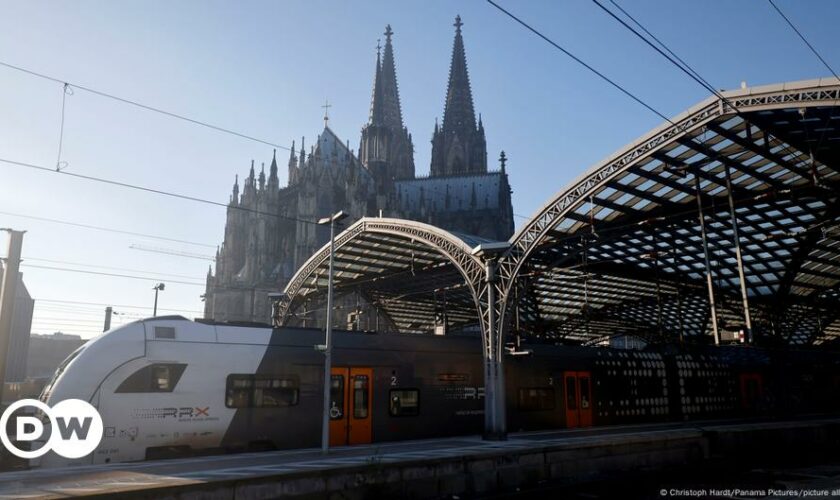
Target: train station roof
{"x":412,"y":273}
{"x":620,"y":250}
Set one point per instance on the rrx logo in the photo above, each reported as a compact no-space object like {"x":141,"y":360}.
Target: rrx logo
{"x":75,"y":428}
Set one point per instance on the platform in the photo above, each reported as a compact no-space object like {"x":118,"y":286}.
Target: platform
{"x":428,"y":468}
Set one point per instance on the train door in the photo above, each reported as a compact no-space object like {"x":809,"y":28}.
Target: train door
{"x":578,"y":401}
{"x":751,"y":391}
{"x":350,"y":406}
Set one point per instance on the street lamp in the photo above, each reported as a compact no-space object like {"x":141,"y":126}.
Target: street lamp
{"x":327,"y":347}
{"x":158,"y":288}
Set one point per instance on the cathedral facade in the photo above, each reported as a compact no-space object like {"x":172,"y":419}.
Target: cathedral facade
{"x":269,"y":231}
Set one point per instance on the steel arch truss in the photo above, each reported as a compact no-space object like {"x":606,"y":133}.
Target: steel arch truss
{"x":620,"y":250}
{"x":417,"y":276}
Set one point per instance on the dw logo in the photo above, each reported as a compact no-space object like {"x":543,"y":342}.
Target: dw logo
{"x":75,"y":428}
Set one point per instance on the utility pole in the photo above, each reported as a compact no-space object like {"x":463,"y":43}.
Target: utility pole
{"x":8,"y":293}
{"x":108,"y":311}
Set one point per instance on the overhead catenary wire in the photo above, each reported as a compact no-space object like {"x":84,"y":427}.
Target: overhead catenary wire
{"x":816,"y":53}
{"x":581,"y":62}
{"x":143,"y":106}
{"x":151,"y":190}
{"x":683,"y":66}
{"x":125,"y":306}
{"x":165,"y":275}
{"x":802,"y":37}
{"x":106,"y":229}
{"x":144,"y":278}
{"x":113,"y":275}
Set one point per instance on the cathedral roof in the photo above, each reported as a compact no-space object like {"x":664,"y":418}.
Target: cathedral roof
{"x":329,"y":144}
{"x":450,"y":194}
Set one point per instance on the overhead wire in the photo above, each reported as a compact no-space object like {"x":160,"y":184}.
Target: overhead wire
{"x":106,"y":229}
{"x":113,"y":275}
{"x":151,"y":190}
{"x":683,"y":66}
{"x":816,"y":53}
{"x":126,"y":306}
{"x":580,"y":61}
{"x":52,"y":261}
{"x":143,"y":106}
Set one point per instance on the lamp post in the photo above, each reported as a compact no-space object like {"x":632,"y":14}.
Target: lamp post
{"x":158,"y":288}
{"x":327,"y":347}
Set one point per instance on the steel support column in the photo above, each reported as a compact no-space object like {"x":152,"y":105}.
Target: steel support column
{"x":709,"y":282}
{"x":495,"y":418}
{"x":737,"y":241}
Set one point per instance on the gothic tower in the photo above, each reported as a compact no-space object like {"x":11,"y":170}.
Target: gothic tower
{"x":458,"y":146}
{"x":386,"y":149}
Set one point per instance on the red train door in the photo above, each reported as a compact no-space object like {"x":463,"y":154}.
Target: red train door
{"x":578,"y":401}
{"x":350,"y":406}
{"x":751,"y":391}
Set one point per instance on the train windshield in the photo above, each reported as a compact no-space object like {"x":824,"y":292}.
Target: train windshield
{"x":58,"y":371}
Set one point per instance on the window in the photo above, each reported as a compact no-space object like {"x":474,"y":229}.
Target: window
{"x":164,"y":332}
{"x":536,"y":398}
{"x":584,"y":393}
{"x":360,"y":396}
{"x":404,"y":402}
{"x":571,"y":394}
{"x":336,"y":397}
{"x":158,"y":377}
{"x":238,"y":394}
{"x":261,"y":391}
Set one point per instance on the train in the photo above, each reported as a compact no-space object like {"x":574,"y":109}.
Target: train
{"x":170,"y":387}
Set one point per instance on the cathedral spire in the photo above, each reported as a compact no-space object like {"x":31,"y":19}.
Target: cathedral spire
{"x":459,"y":110}
{"x":272,"y":171}
{"x":386,"y":149}
{"x":385,"y":102}
{"x":458,"y":145}
{"x":234,"y":197}
{"x":302,"y":159}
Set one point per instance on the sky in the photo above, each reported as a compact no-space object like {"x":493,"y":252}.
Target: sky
{"x":266,"y":68}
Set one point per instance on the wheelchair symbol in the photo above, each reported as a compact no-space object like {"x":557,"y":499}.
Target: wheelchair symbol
{"x":335,"y":411}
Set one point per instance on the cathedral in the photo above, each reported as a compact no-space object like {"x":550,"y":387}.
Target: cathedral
{"x":268,"y":234}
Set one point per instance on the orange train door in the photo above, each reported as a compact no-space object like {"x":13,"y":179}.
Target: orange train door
{"x":338,"y":406}
{"x":350,"y":406}
{"x":360,"y":397}
{"x":578,"y":389}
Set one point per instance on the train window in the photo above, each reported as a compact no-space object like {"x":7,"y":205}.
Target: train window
{"x":158,"y":377}
{"x":584,"y":392}
{"x":536,"y":398}
{"x":336,"y":397}
{"x":404,"y":402}
{"x":275,"y":392}
{"x":238,"y":393}
{"x":360,"y":396}
{"x":571,"y":394}
{"x":164,"y":332}
{"x":261,"y":391}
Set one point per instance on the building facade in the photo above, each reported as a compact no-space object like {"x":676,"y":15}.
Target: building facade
{"x":269,"y":231}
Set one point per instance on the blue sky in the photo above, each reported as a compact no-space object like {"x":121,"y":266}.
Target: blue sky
{"x":265,"y":68}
